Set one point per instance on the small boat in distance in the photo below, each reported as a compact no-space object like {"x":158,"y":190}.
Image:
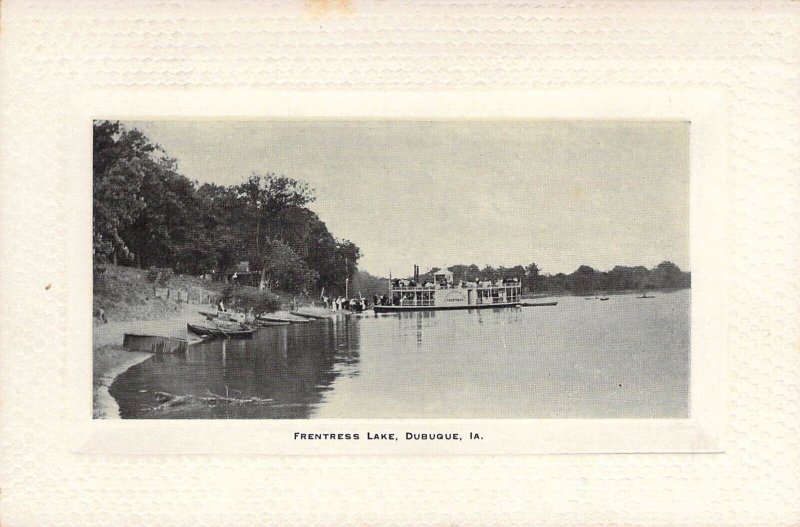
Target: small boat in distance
{"x":602,"y":298}
{"x":644,"y":295}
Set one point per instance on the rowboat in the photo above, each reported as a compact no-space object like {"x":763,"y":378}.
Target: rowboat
{"x":238,"y":331}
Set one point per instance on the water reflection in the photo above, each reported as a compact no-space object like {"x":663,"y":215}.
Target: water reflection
{"x":292,"y":365}
{"x":624,"y":358}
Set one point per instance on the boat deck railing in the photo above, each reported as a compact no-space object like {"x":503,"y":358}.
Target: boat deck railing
{"x":410,"y":288}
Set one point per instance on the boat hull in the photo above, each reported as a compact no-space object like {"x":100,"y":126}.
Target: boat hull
{"x":402,"y":309}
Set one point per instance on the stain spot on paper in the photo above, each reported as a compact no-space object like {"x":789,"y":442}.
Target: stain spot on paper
{"x":327,"y":8}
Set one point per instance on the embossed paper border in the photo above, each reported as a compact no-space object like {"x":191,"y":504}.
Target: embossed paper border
{"x":50,"y":57}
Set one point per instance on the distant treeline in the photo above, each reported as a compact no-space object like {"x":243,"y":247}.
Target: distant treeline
{"x":148,"y":214}
{"x":585,"y":279}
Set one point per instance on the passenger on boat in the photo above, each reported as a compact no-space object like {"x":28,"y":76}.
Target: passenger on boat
{"x":374,"y":299}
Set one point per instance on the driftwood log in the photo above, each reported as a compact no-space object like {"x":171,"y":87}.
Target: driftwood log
{"x":171,"y":400}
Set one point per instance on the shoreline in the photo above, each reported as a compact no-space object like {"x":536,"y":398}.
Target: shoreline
{"x":554,"y":294}
{"x":110,"y":360}
{"x":116,"y":361}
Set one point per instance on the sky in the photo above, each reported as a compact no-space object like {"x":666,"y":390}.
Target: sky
{"x":439,"y":193}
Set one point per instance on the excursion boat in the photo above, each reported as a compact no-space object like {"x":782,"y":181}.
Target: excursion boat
{"x":443,"y":293}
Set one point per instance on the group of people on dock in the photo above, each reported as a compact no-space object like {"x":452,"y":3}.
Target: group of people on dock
{"x":341,"y":303}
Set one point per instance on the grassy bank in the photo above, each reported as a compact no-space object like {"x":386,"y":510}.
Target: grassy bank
{"x":130,"y":305}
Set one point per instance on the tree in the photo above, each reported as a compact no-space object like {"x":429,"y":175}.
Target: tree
{"x":533,"y":279}
{"x":284,"y":270}
{"x":118,"y":171}
{"x":668,"y":275}
{"x":582,"y":280}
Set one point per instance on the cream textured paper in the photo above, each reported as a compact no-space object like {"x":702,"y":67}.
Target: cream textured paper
{"x":54,"y":55}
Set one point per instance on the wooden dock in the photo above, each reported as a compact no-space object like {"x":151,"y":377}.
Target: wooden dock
{"x":154,"y":343}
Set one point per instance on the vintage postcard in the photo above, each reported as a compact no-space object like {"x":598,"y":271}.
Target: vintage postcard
{"x":367,"y":263}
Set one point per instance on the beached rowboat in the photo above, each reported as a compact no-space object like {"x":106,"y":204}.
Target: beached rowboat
{"x":219,"y":331}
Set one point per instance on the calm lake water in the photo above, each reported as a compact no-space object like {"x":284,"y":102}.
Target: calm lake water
{"x":622,"y":358}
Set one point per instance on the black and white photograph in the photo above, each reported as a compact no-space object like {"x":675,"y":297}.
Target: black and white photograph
{"x":387,"y":268}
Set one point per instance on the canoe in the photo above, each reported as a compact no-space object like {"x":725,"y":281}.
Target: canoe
{"x":537,"y":304}
{"x":282,"y":318}
{"x":219,"y":331}
{"x":307,"y":315}
{"x":267,"y":323}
